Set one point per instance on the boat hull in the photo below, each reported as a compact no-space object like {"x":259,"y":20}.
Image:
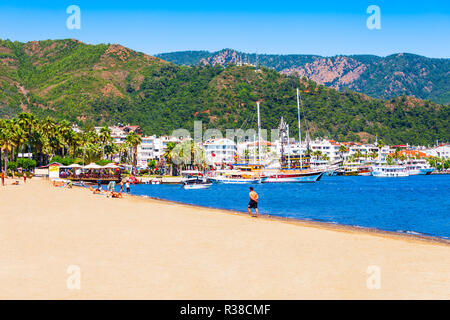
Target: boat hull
{"x":236,"y":181}
{"x":294,"y":178}
{"x":421,"y":171}
{"x":197,"y":186}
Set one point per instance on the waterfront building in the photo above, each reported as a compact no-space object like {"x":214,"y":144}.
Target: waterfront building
{"x":220,"y":151}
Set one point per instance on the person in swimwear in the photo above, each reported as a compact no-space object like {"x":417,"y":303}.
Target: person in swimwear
{"x":253,"y":204}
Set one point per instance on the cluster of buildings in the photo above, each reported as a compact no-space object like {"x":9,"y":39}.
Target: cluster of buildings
{"x":225,"y":151}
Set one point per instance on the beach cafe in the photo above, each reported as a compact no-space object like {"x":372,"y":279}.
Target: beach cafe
{"x":89,"y":173}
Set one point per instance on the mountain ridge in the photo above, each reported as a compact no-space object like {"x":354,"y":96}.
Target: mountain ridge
{"x":379,"y":77}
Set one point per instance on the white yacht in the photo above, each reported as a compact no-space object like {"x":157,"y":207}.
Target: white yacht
{"x":389,"y":171}
{"x":418,"y":167}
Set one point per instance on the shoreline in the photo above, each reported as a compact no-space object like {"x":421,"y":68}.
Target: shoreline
{"x":311,"y":223}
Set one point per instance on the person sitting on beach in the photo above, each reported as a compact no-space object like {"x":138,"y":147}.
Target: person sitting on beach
{"x":15,"y":183}
{"x":116,"y":194}
{"x":253,"y":202}
{"x":95,"y":191}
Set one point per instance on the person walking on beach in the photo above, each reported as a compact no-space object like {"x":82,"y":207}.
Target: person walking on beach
{"x":99,"y":184}
{"x":253,"y":204}
{"x":127,"y":185}
{"x":24,"y":178}
{"x":121,"y":186}
{"x":3,"y":178}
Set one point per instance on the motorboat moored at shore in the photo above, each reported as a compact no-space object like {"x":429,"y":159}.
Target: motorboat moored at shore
{"x":389,"y":171}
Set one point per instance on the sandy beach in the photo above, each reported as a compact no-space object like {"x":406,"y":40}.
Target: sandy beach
{"x":135,"y":248}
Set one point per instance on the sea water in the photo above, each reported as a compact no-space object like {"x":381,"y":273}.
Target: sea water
{"x":415,"y":204}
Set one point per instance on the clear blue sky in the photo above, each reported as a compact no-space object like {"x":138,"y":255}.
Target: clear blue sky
{"x":306,"y":27}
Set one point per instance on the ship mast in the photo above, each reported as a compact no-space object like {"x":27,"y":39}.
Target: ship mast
{"x":289,"y":147}
{"x":259,"y":133}
{"x":299,"y":130}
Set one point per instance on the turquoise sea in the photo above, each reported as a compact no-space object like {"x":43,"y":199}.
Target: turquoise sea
{"x":415,"y":204}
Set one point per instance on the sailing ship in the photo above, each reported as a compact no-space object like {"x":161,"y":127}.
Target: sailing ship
{"x":294,"y":168}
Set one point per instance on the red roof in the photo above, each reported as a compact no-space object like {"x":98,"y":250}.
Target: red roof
{"x":412,"y":153}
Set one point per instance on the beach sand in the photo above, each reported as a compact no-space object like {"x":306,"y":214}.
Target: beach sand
{"x":147,"y":249}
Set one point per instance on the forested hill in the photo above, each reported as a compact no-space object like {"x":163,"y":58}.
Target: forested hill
{"x":378,"y":77}
{"x":106,"y":84}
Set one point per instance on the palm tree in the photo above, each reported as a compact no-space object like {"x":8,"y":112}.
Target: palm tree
{"x":110,"y":150}
{"x":380,"y":144}
{"x":47,"y":126}
{"x":317,"y":154}
{"x":167,"y":155}
{"x":343,"y":149}
{"x":28,"y":122}
{"x":20,"y":138}
{"x":358,"y":155}
{"x":39,"y":142}
{"x":64,"y":128}
{"x":92,"y":153}
{"x":389,"y":159}
{"x":122,"y":149}
{"x":6,"y":139}
{"x":133,"y":139}
{"x":104,"y":137}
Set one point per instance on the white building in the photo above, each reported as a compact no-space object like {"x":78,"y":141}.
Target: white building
{"x":441,"y":151}
{"x":327,"y":147}
{"x":147,"y":151}
{"x":220,"y":151}
{"x":250,"y":149}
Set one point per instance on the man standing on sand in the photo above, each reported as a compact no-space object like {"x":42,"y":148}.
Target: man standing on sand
{"x":253,"y":202}
{"x":3,"y":178}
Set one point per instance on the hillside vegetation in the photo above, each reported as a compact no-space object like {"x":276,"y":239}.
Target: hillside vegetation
{"x":107,"y":84}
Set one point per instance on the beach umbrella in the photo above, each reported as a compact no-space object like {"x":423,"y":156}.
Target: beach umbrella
{"x":110,"y":166}
{"x":75,"y":165}
{"x":92,"y":165}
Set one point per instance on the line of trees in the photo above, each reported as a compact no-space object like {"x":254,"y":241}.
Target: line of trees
{"x":47,"y":139}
